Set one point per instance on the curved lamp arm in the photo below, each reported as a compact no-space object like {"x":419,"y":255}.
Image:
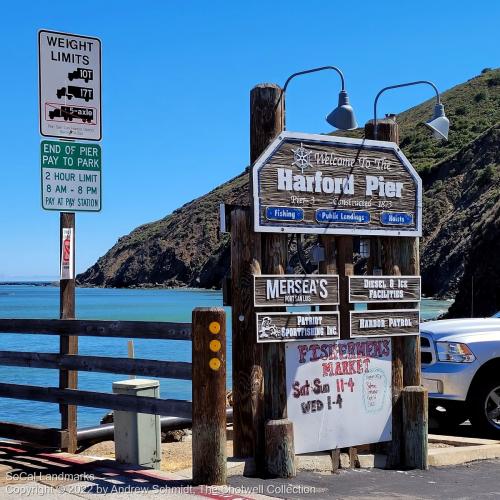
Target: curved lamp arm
{"x":314,"y":70}
{"x":305,"y":72}
{"x":419,"y":82}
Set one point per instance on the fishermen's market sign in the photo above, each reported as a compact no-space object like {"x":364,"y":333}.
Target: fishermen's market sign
{"x":305,"y":183}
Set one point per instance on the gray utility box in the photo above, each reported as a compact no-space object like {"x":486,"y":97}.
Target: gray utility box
{"x":138,"y":435}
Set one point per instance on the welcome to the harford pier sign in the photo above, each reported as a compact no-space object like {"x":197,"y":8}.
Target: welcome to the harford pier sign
{"x":320,"y":184}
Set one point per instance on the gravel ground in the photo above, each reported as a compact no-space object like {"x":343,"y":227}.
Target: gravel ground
{"x":175,"y":456}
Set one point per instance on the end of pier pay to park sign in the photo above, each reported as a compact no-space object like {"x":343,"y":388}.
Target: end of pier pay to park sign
{"x":71,"y":176}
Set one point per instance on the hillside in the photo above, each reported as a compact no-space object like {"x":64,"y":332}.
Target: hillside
{"x":184,"y":248}
{"x":461,"y":208}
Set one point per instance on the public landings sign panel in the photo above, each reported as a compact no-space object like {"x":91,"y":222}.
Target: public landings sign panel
{"x":320,"y":184}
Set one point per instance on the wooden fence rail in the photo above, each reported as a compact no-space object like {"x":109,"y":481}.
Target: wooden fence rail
{"x":96,"y":328}
{"x":123,"y":402}
{"x":146,"y":367}
{"x":74,"y":362}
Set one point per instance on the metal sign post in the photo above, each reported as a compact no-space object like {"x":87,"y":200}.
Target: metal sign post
{"x":69,"y":78}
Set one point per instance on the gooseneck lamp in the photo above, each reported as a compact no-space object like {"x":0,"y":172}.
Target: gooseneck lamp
{"x":439,"y":124}
{"x":342,"y":117}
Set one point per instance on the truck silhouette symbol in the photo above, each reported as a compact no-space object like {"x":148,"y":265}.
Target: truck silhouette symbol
{"x":77,"y":92}
{"x":70,"y":112}
{"x":81,"y":74}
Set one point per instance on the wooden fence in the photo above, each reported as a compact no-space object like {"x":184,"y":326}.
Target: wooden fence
{"x":126,"y":366}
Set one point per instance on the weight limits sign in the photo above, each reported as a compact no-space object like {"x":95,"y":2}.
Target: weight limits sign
{"x":318,"y":184}
{"x":339,"y":393}
{"x":71,"y":176}
{"x":69,"y":69}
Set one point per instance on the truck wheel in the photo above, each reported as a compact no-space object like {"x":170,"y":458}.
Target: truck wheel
{"x":485,"y":407}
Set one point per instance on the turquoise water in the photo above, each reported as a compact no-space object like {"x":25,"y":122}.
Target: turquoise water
{"x":24,"y":301}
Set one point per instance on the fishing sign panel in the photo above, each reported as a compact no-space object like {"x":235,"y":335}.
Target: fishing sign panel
{"x":287,"y":326}
{"x":295,"y":289}
{"x":305,"y":183}
{"x":69,"y":69}
{"x":339,"y":393}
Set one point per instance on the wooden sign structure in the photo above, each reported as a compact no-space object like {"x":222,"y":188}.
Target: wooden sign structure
{"x":271,"y":290}
{"x":317,"y":184}
{"x":335,"y":188}
{"x":288,"y":326}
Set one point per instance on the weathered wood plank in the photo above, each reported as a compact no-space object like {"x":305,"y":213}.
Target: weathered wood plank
{"x":296,"y":289}
{"x":415,"y":411}
{"x":248,"y":383}
{"x":45,"y":436}
{"x":280,"y":450}
{"x":292,"y":326}
{"x":142,"y":404}
{"x":96,"y":328}
{"x":384,"y":289}
{"x":68,"y":379}
{"x":209,"y":396}
{"x":385,"y":323}
{"x":127,"y":366}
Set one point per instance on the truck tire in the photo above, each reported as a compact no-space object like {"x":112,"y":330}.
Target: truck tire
{"x":484,"y":404}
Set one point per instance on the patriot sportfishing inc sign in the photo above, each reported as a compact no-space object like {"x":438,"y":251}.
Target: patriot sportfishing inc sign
{"x":306,"y":183}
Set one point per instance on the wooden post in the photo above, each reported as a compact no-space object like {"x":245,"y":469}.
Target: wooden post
{"x":267,"y":118}
{"x":209,"y":396}
{"x":68,"y":379}
{"x":415,"y":417}
{"x":345,"y":266}
{"x":274,"y":262}
{"x":248,"y":384}
{"x":398,"y":255}
{"x":280,"y":453}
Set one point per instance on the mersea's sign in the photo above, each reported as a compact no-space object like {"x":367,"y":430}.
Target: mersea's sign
{"x":295,"y":289}
{"x":305,"y":183}
{"x":283,"y":326}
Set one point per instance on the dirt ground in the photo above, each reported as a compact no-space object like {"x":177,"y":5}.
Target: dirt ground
{"x":175,"y":456}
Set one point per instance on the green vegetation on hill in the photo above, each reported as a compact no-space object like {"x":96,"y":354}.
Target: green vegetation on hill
{"x":472,"y":108}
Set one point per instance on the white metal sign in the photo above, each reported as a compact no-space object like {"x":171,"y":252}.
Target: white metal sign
{"x":67,"y":252}
{"x":339,"y":393}
{"x":69,"y":69}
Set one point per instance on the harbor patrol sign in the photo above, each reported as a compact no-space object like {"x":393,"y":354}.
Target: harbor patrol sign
{"x":305,"y":183}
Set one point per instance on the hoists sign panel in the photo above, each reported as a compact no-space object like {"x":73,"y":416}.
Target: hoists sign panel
{"x":329,"y":185}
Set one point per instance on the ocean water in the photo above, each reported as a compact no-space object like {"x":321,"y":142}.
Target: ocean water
{"x":26,"y":301}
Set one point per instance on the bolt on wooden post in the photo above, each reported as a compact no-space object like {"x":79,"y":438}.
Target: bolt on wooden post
{"x":68,"y":379}
{"x":209,"y":396}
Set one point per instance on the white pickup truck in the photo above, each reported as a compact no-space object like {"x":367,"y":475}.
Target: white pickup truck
{"x":461,"y":370}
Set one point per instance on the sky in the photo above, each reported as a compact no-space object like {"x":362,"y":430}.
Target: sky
{"x":175,"y":95}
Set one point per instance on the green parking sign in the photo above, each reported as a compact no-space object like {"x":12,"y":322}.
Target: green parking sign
{"x":71,"y":176}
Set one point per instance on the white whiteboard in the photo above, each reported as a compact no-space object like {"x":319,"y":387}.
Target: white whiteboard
{"x":339,"y":393}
